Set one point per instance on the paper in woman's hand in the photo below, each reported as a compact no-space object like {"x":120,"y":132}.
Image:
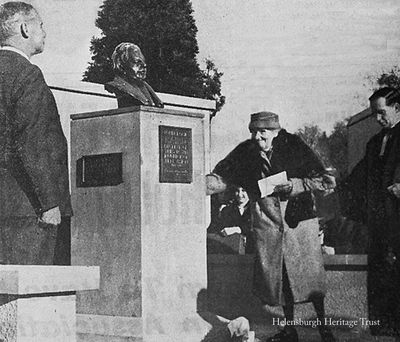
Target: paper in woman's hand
{"x":267,"y":185}
{"x":230,"y":230}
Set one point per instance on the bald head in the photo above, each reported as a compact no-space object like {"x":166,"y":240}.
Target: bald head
{"x":21,"y":27}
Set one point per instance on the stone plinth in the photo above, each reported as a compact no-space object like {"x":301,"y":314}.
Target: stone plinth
{"x":144,"y":222}
{"x":38,"y":303}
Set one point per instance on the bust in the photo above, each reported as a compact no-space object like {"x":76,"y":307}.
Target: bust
{"x":129,"y":83}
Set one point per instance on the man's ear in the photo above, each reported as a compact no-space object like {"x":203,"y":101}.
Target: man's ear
{"x":24,"y":30}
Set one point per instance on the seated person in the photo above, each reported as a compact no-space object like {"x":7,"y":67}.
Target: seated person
{"x":130,"y":71}
{"x":235,"y":218}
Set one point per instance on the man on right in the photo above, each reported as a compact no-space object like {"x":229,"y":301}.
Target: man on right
{"x":374,"y":186}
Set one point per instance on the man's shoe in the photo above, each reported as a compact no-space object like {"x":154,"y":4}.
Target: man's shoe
{"x":326,"y":334}
{"x":286,"y":335}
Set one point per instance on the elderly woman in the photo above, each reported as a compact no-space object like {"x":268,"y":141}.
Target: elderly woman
{"x":130,"y":71}
{"x":288,"y":267}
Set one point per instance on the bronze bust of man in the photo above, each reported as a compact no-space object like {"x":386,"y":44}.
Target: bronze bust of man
{"x":130,"y":71}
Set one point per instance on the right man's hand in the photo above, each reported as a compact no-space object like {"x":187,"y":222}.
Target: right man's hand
{"x":51,"y":216}
{"x":394,"y":189}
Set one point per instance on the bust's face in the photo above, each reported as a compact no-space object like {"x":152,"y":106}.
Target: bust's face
{"x":137,"y":69}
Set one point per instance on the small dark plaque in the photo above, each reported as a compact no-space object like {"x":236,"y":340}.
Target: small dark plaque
{"x":99,"y":170}
{"x":175,"y":154}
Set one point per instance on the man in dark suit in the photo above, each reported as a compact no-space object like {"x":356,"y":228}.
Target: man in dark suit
{"x":35,"y":204}
{"x":375,"y":193}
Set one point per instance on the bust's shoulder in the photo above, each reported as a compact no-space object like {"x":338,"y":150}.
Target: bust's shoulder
{"x":119,"y":84}
{"x":116,"y":83}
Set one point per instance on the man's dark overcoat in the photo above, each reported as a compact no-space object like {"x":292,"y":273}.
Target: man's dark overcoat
{"x":283,"y":231}
{"x":33,"y":151}
{"x":380,"y":211}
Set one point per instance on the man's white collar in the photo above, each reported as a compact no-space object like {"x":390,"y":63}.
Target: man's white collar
{"x":11,"y":48}
{"x":395,"y":124}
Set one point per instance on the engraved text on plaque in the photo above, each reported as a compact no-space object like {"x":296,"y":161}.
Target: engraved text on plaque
{"x":175,"y":154}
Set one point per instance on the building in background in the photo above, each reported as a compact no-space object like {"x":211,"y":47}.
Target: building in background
{"x":361,"y":127}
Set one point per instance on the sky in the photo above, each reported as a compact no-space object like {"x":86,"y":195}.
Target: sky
{"x":306,"y":60}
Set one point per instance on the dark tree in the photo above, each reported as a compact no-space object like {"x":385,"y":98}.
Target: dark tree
{"x":316,"y":139}
{"x":391,"y":78}
{"x":212,"y":84}
{"x":166,"y":33}
{"x":332,"y":149}
{"x":337,"y":144}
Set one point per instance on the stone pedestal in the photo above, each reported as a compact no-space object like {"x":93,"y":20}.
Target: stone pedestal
{"x":138,"y":191}
{"x":38,"y":303}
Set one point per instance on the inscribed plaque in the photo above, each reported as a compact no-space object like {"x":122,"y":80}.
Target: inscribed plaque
{"x":175,"y":147}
